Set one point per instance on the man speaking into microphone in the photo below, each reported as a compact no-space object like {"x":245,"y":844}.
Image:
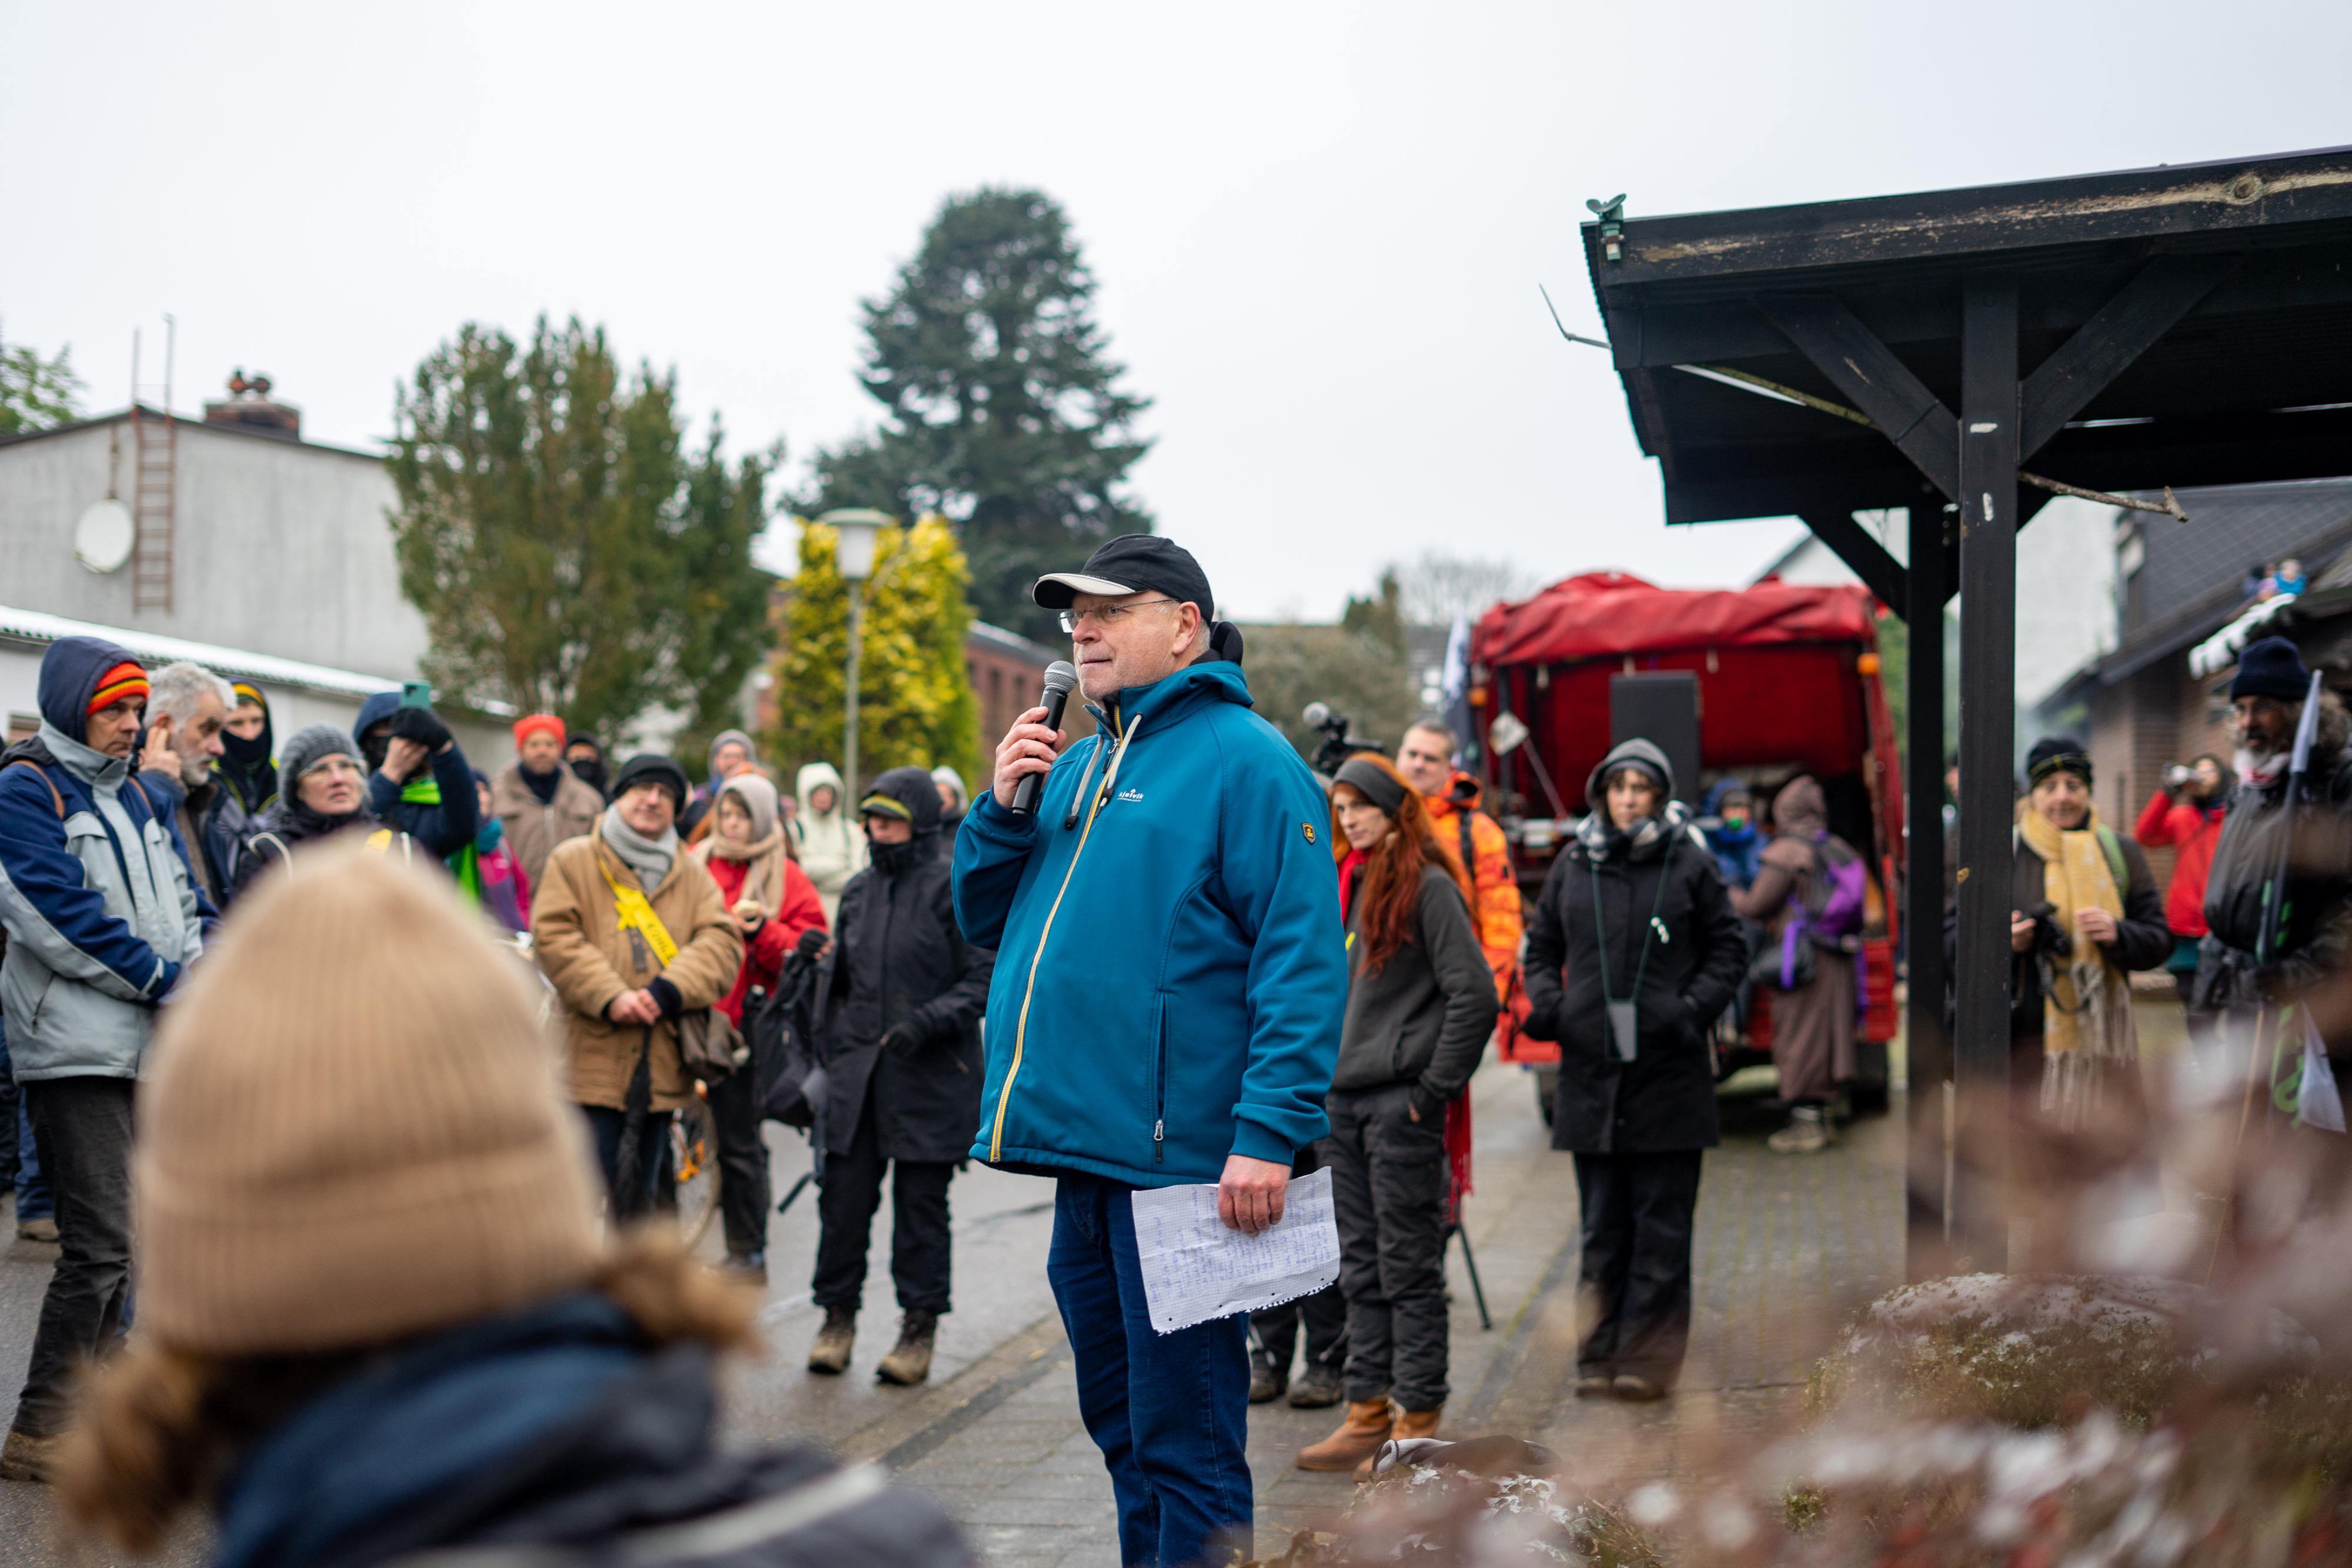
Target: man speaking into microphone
{"x":1175,"y":881}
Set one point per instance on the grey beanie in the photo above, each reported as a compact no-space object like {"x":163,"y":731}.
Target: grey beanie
{"x":308,"y":746}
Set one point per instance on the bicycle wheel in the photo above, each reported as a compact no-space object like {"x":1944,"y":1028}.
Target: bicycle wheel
{"x":694,"y":1156}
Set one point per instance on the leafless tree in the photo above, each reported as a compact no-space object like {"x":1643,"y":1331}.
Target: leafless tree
{"x":1438,"y":586}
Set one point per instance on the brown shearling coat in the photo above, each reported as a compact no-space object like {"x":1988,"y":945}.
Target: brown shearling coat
{"x":533,"y":830}
{"x":575,"y":930}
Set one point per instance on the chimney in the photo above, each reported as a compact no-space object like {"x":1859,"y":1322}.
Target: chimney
{"x":249,"y":407}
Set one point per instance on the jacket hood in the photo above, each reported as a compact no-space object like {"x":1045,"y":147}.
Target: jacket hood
{"x":1216,"y":680}
{"x":1800,"y":809}
{"x":373,"y":712}
{"x":911,"y":788}
{"x":809,"y":778}
{"x":69,"y":676}
{"x":1723,"y":789}
{"x":1597,"y":839}
{"x":1637,"y":751}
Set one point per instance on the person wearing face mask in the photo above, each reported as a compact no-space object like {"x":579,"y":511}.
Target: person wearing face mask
{"x":1420,"y":1003}
{"x":2186,"y":814}
{"x":2085,"y":912}
{"x":1730,"y":829}
{"x":322,"y":791}
{"x":102,"y":917}
{"x":419,"y":781}
{"x":249,"y":749}
{"x":769,"y":897}
{"x":1632,"y":951}
{"x":899,"y":993}
{"x":584,"y":755}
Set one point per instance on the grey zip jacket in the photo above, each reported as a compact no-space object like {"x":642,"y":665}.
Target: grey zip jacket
{"x":1425,"y":1016}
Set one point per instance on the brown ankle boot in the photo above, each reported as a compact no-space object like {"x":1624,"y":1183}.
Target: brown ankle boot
{"x":1409,"y":1424}
{"x":830,"y":1354}
{"x":910,"y":1361}
{"x":1360,"y":1436}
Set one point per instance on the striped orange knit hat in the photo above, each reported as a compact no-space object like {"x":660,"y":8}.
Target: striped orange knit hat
{"x":125,"y":680}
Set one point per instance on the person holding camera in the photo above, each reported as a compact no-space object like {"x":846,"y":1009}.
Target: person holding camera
{"x":419,"y":781}
{"x":2085,"y":912}
{"x":2186,"y":814}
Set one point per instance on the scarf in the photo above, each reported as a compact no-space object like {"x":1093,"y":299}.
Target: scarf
{"x":2267,"y":770}
{"x":542,"y":785}
{"x":2087,"y":1030}
{"x":1351,"y":871}
{"x":762,"y":861}
{"x":649,"y":858}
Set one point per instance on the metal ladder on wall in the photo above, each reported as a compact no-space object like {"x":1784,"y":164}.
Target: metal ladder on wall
{"x":154,"y":483}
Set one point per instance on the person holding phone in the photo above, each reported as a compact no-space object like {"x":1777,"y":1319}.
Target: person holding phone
{"x":419,"y":781}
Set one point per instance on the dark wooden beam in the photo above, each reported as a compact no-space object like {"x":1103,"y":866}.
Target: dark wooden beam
{"x":1926,"y":1053}
{"x":2122,"y":329}
{"x":1864,"y":556}
{"x":1872,"y":379}
{"x":1988,"y":515}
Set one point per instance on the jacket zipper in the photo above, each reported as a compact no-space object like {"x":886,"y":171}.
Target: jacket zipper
{"x":1160,"y":1086}
{"x":1020,"y":1028}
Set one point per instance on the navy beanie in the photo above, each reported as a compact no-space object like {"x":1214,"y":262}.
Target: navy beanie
{"x":2270,"y":668}
{"x":2056,"y":754}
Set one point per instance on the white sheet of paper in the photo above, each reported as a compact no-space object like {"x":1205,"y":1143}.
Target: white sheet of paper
{"x":1195,"y":1267}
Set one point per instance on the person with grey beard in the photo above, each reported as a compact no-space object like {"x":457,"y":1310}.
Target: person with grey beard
{"x":186,"y":713}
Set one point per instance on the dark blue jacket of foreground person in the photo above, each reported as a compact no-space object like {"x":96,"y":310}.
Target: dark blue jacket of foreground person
{"x":549,"y":1438}
{"x":1177,"y":885}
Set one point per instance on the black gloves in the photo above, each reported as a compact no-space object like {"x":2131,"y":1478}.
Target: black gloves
{"x":423,"y":725}
{"x":665,"y":996}
{"x":812,"y":941}
{"x":1540,"y":1024}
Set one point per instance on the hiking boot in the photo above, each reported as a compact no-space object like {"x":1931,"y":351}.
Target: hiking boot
{"x":1409,"y":1424}
{"x":1633,"y":1387}
{"x":1808,"y":1133}
{"x":830,"y":1354}
{"x":750,"y":1266}
{"x":25,"y":1457}
{"x":1317,"y":1388}
{"x":1267,"y":1381}
{"x":910,"y":1361}
{"x":1358,"y":1439}
{"x":36,"y":1230}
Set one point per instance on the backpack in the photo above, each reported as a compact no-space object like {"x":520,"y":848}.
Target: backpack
{"x":786,"y":1073}
{"x":1839,"y":894}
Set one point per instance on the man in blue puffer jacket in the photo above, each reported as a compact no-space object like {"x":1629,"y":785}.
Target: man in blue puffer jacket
{"x":1176,"y":884}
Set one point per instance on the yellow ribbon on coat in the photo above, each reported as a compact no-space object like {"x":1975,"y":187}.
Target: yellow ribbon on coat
{"x":636,"y":913}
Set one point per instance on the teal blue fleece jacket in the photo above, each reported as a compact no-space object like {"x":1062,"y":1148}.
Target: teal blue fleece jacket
{"x":1170,"y":968}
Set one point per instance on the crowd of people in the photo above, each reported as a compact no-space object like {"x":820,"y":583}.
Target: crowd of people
{"x":1276,"y":974}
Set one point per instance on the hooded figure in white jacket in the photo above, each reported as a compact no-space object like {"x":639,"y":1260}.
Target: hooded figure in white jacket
{"x":832,"y":844}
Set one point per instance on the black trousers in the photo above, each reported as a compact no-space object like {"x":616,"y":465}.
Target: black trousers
{"x":82,"y":1130}
{"x":921,"y":1249}
{"x":1636,"y":1264}
{"x":744,"y":1190}
{"x":1325,"y":1312}
{"x":1388,"y":1185}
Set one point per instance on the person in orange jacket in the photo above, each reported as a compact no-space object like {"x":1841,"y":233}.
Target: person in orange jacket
{"x":2186,"y":814}
{"x":1425,"y":758}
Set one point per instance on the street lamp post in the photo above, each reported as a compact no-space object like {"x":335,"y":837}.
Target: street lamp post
{"x":854,"y":531}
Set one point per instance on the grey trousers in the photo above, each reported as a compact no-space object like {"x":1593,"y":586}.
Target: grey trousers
{"x":1388,"y":1184}
{"x":82,"y":1129}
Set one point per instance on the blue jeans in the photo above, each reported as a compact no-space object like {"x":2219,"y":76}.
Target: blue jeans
{"x":609,"y":1128}
{"x":1170,"y":1412}
{"x":33,"y":1200}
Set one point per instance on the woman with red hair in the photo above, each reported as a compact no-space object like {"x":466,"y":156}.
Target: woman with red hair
{"x":1420,"y":1003}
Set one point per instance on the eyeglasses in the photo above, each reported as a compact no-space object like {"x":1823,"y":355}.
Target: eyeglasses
{"x":1109,"y":614}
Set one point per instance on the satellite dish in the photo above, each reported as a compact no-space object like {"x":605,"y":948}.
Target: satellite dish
{"x":103,"y":537}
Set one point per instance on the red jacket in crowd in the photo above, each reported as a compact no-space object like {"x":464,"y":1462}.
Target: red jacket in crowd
{"x":2192,"y":831}
{"x":765,"y":950}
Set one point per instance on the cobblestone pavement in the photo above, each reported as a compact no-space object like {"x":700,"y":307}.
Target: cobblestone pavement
{"x":1785,"y":1247}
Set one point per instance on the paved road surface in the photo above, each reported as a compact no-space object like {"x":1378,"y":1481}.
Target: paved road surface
{"x":1785,"y":1247}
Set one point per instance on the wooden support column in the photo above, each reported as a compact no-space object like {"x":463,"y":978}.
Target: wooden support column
{"x":1987,"y":527}
{"x":1927,"y":1054}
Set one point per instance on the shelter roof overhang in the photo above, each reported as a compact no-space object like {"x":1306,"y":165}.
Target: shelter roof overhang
{"x":2180,"y":326}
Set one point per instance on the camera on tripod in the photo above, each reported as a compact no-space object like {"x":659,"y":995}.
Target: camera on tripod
{"x":1336,"y":747}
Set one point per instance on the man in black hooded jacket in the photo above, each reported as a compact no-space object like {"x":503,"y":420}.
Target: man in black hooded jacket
{"x":900,"y":996}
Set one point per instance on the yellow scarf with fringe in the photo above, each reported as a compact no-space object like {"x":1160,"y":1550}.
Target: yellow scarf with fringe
{"x":2086,"y":1014}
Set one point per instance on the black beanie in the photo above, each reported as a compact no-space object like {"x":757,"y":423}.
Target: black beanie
{"x":2270,"y":668}
{"x":2054,"y":753}
{"x":650,"y":768}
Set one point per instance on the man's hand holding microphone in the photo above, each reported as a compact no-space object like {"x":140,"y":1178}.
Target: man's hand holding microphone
{"x":1027,"y":753}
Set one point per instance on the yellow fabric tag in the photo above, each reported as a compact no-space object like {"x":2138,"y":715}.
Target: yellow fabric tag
{"x":636,"y":914}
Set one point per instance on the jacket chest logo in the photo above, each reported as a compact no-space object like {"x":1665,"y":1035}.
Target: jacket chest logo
{"x":1131,"y":794}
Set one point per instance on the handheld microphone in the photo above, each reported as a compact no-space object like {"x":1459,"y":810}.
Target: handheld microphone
{"x":1061,"y":680}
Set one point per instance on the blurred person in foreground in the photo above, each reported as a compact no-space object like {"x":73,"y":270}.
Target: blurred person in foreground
{"x":632,"y":932}
{"x":832,"y":849}
{"x":188,"y":706}
{"x":2271,"y":938}
{"x":378,"y":1315}
{"x":899,"y":995}
{"x":2085,"y":913}
{"x":2185,"y":814}
{"x":419,"y":781}
{"x":540,"y":801}
{"x":1805,"y":896}
{"x":770,"y":901}
{"x":322,"y":791}
{"x":1420,"y":1003}
{"x":1632,"y":951}
{"x":248,"y":763}
{"x":1177,"y":861}
{"x":102,"y":917}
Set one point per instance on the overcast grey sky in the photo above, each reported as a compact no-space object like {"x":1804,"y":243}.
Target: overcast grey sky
{"x":1318,"y":228}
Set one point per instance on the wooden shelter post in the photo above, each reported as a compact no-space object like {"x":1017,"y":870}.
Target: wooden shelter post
{"x":1987,"y":527}
{"x":1926,"y":1053}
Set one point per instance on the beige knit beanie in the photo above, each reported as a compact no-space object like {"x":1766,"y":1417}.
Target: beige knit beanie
{"x":350,"y":1129}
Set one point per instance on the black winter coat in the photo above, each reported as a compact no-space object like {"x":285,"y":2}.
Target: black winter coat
{"x":1663,"y":1100}
{"x":900,"y":968}
{"x":2143,"y":941}
{"x":2315,"y":933}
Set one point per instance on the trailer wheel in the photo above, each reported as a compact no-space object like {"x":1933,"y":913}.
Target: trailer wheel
{"x":1547,"y":1091}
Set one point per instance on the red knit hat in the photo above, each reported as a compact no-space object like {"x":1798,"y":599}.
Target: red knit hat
{"x":537,"y":721}
{"x":125,"y":680}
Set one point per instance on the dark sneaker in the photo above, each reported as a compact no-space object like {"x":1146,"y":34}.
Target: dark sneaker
{"x":1318,"y":1387}
{"x":1267,"y":1381}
